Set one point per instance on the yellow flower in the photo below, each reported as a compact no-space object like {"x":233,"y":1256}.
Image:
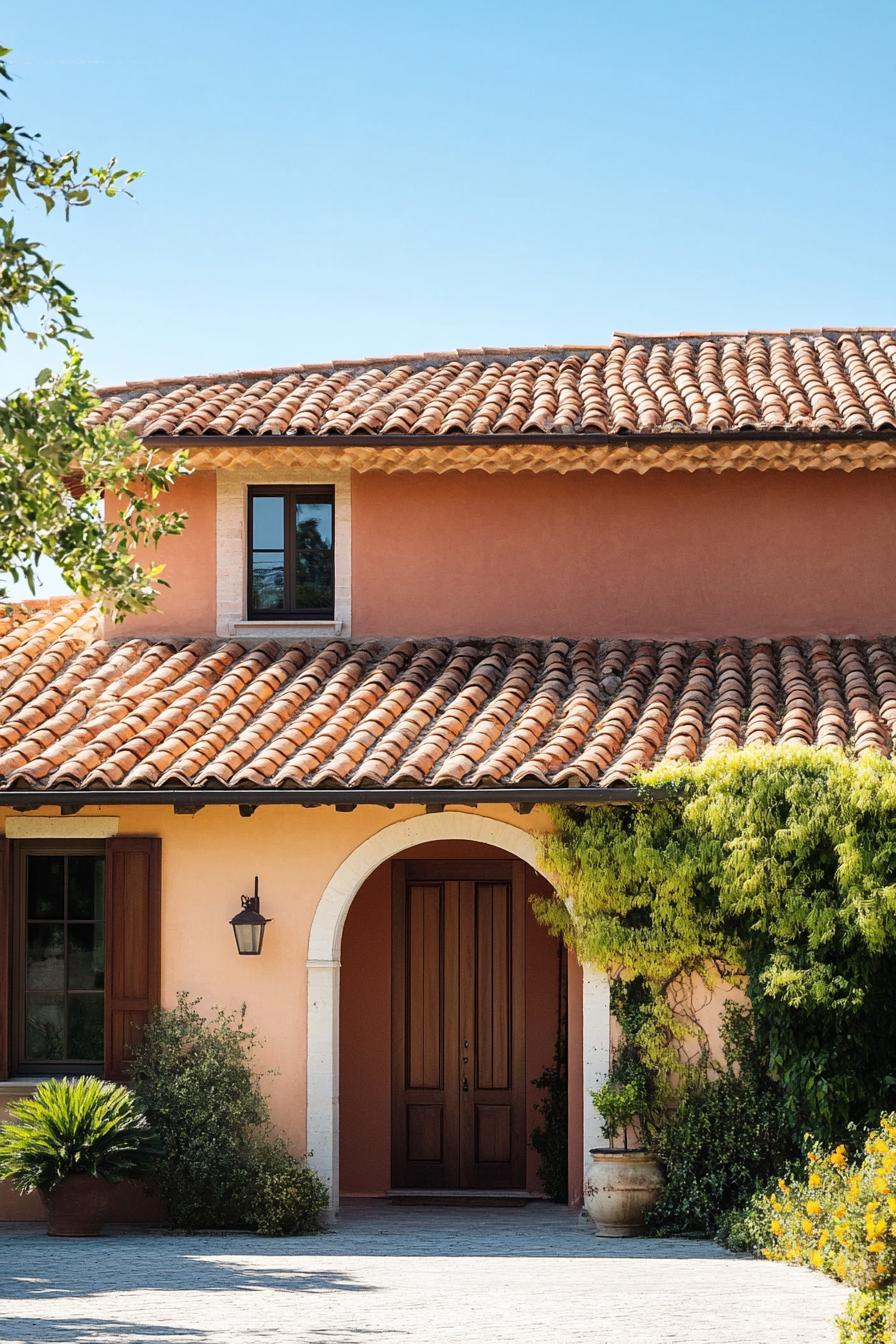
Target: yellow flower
{"x":842,"y":1235}
{"x":816,"y":1259}
{"x":776,"y":1227}
{"x":808,"y":1226}
{"x":813,"y":1157}
{"x":877,"y":1246}
{"x":824,"y":1239}
{"x":782,"y":1184}
{"x":840,"y":1266}
{"x":879,"y":1146}
{"x":814,"y":1180}
{"x":838,"y":1157}
{"x":840,"y":1211}
{"x":889,"y":1163}
{"x":776,"y":1203}
{"x":813,"y":1207}
{"x":880,"y":1186}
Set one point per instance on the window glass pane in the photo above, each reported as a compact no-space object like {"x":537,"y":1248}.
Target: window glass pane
{"x":85,"y":1027}
{"x":44,"y":1026}
{"x":267,"y":523}
{"x":85,"y":956}
{"x":85,"y":886}
{"x":314,"y":556}
{"x":267,"y":580}
{"x":45,"y":886}
{"x":45,"y":957}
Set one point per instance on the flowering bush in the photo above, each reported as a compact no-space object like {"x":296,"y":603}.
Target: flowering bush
{"x":842,"y":1218}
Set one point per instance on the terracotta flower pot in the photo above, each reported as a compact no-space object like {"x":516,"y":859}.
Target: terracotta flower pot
{"x":620,"y":1186}
{"x":77,"y":1207}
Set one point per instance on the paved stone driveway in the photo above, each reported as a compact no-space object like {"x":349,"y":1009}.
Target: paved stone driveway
{"x":387,"y":1274}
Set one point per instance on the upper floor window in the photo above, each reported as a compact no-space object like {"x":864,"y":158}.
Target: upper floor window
{"x":290,"y":562}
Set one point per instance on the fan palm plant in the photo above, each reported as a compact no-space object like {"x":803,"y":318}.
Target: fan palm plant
{"x":75,"y":1127}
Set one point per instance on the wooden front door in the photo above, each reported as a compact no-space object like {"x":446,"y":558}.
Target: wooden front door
{"x":458,"y":1026}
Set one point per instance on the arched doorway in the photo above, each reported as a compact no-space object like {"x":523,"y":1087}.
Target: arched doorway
{"x":589,"y":1024}
{"x":452,"y":997}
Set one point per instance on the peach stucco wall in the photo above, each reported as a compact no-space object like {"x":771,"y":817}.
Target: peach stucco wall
{"x":668,"y":555}
{"x":365,"y":1061}
{"x":187,"y":606}
{"x":208,"y":860}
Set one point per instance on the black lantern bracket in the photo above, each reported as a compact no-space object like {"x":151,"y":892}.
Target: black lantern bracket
{"x":249,"y":925}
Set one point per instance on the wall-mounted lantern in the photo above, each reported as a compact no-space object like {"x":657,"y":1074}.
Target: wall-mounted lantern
{"x":248,"y":926}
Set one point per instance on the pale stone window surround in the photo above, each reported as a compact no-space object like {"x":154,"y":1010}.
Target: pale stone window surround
{"x":231,"y":531}
{"x":60,"y":828}
{"x":324,"y":947}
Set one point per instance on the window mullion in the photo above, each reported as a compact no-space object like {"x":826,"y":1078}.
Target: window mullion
{"x":289,"y":551}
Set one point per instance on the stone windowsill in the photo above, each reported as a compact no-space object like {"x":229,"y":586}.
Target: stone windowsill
{"x":11,"y":1088}
{"x":288,"y":629}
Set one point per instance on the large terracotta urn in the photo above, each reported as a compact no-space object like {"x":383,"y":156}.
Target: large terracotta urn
{"x":620,"y":1186}
{"x":77,"y":1206}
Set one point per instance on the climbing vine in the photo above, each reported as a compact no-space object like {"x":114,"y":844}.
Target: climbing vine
{"x":773,"y":867}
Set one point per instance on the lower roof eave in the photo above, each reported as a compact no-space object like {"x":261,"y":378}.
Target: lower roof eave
{"x":190,"y":800}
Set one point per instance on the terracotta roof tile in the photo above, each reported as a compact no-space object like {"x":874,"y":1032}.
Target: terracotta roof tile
{"x":80,"y":712}
{"x":838,"y":382}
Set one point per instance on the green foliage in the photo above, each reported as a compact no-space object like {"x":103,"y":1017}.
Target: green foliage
{"x":550,"y":1139}
{"x":74,"y":1126}
{"x":778,"y":863}
{"x":638,"y":1089}
{"x":746,"y":1227}
{"x":286,"y":1198}
{"x":725,"y":1139}
{"x":46,"y":440}
{"x":868,"y":1319}
{"x":221,"y":1165}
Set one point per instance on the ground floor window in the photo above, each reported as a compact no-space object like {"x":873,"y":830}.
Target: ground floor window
{"x":58,"y":959}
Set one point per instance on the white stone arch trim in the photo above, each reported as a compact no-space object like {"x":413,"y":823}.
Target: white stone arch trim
{"x":324,"y":946}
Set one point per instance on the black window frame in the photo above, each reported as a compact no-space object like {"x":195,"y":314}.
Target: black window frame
{"x":19,"y":1063}
{"x":292,"y":495}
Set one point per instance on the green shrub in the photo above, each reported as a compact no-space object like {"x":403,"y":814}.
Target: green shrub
{"x":75,"y":1126}
{"x":222,"y":1165}
{"x":726,"y":1137}
{"x":286,"y":1198}
{"x":746,"y":1227}
{"x":868,"y":1319}
{"x":550,"y":1139}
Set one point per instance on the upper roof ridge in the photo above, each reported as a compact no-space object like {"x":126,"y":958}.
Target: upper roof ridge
{"x":469,"y":354}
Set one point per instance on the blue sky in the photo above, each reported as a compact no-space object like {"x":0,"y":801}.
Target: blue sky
{"x":329,"y":180}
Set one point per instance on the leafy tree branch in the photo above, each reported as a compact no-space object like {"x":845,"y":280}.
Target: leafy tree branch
{"x":82,"y":494}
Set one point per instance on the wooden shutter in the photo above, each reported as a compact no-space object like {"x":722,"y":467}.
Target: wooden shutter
{"x":133,"y":943}
{"x":5,"y":954}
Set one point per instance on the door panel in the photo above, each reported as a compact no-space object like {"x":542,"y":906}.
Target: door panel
{"x":458,"y":1026}
{"x":492,"y":1005}
{"x":424,"y":1033}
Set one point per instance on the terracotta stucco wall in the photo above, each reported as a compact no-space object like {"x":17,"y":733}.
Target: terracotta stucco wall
{"x":187,"y":606}
{"x":365,"y":1061}
{"x":664,"y":555}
